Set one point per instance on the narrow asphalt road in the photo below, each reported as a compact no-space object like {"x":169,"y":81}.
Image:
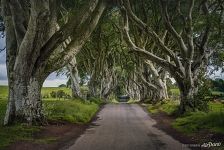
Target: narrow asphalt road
{"x":125,"y":127}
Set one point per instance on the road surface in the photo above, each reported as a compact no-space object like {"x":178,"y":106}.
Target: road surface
{"x":125,"y":127}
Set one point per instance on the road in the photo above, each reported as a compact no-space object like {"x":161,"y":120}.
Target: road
{"x":125,"y":127}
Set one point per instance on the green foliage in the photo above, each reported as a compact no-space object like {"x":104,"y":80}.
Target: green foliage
{"x":209,"y":93}
{"x":132,"y":101}
{"x":84,"y":89}
{"x":218,"y":85}
{"x":196,"y":121}
{"x":175,"y":91}
{"x":62,"y":85}
{"x":171,"y":87}
{"x":167,"y":106}
{"x":51,"y":92}
{"x":203,"y":96}
{"x":113,"y":99}
{"x":59,"y":94}
{"x":74,"y":111}
{"x":95,"y":100}
{"x":216,"y":107}
{"x":193,"y":122}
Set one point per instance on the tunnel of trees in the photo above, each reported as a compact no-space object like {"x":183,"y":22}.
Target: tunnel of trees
{"x":122,"y":47}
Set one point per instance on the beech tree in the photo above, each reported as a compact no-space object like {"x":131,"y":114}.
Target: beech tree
{"x":192,"y":26}
{"x":151,"y":75}
{"x":74,"y":77}
{"x":37,"y":44}
{"x":97,"y":60}
{"x":109,"y":66}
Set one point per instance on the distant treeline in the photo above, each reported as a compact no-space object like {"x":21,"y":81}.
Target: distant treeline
{"x":217,"y":85}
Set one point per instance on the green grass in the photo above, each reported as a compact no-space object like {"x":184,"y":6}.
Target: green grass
{"x":132,"y":101}
{"x":167,"y":106}
{"x":13,"y":133}
{"x":216,"y":107}
{"x":114,"y":101}
{"x":3,"y":92}
{"x":196,"y":121}
{"x":74,"y":111}
{"x":175,"y":91}
{"x":16,"y":132}
{"x":44,"y":92}
{"x":213,"y":120}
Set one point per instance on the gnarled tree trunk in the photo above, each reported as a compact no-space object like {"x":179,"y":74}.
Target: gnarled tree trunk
{"x":187,"y":95}
{"x":32,"y":43}
{"x":74,"y":76}
{"x":189,"y":56}
{"x":25,"y":103}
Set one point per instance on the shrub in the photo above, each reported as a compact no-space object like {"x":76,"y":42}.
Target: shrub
{"x":61,"y":94}
{"x":53,"y":94}
{"x":45,"y":96}
{"x":95,"y":100}
{"x":62,"y":85}
{"x":168,"y":106}
{"x":202,"y":97}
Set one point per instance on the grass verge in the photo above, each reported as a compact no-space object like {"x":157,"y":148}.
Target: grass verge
{"x":74,"y":111}
{"x":193,"y":122}
{"x":13,"y":133}
{"x":168,"y":106}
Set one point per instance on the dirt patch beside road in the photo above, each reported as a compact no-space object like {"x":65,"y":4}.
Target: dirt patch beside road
{"x":55,"y":135}
{"x":51,"y":137}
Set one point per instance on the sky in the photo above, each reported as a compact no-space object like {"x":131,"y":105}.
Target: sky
{"x":51,"y":81}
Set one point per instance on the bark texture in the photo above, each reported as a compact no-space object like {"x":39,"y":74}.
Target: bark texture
{"x":37,"y":46}
{"x":188,"y":57}
{"x":75,"y":79}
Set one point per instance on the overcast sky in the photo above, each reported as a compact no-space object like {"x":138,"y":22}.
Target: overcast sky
{"x":51,"y":81}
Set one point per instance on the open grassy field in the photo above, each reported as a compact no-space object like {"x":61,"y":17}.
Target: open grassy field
{"x":45,"y":91}
{"x":176,"y":92}
{"x":72,"y":110}
{"x":3,"y":92}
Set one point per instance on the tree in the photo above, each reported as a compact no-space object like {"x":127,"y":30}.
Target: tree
{"x":62,"y":85}
{"x":38,"y":43}
{"x":105,"y":60}
{"x":97,"y":61}
{"x":152,"y":76}
{"x":74,"y":77}
{"x":192,"y":32}
{"x":218,"y":85}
